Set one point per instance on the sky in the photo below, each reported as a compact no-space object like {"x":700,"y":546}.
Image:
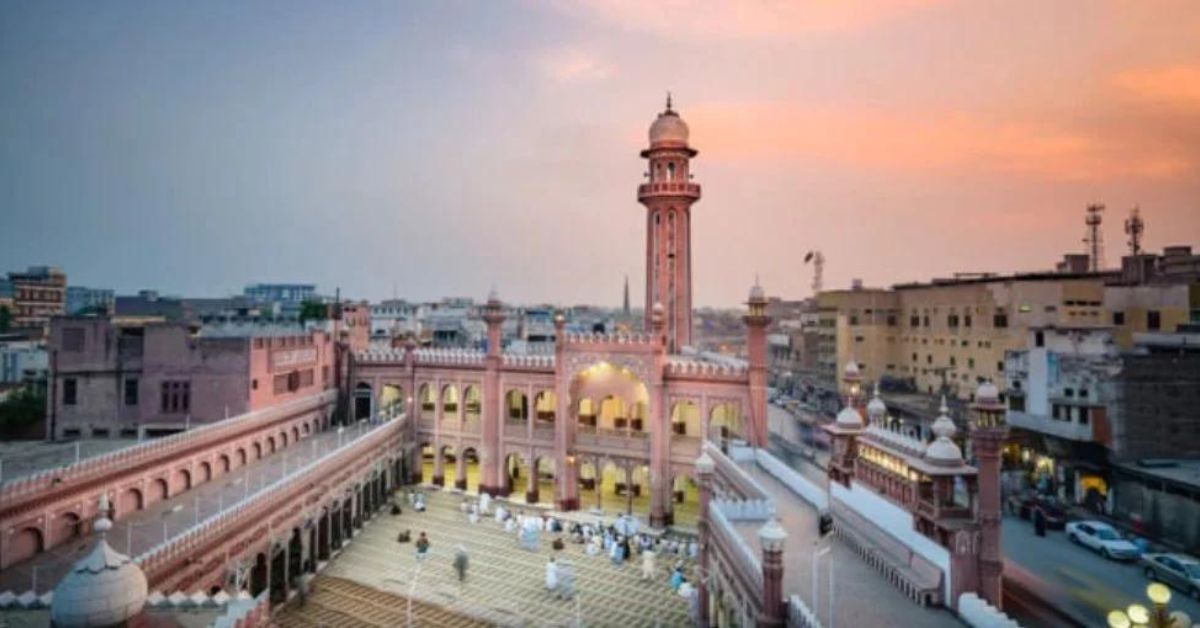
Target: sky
{"x":429,"y":149}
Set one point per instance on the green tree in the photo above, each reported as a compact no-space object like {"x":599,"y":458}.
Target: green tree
{"x":313,"y":311}
{"x":20,"y":410}
{"x":5,"y":318}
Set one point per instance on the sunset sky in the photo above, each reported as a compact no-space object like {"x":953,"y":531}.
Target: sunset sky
{"x":441,"y":148}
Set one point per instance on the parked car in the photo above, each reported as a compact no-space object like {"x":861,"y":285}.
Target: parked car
{"x":1053,"y":512}
{"x":1177,"y":570}
{"x":1102,"y":538}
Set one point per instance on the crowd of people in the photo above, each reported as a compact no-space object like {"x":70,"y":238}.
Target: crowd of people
{"x":620,"y":540}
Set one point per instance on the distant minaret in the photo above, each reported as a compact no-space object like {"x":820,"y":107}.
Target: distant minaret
{"x":625,"y":309}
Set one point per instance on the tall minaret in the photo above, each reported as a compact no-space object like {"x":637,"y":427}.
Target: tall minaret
{"x":668,"y":197}
{"x":625,"y":310}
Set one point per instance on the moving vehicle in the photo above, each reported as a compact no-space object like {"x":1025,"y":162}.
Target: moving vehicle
{"x":1102,"y":538}
{"x":1178,"y":570}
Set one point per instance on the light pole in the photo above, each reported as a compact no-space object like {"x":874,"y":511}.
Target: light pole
{"x":221,"y":495}
{"x":1137,"y":615}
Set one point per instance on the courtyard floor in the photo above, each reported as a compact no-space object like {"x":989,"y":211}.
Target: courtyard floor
{"x":504,"y":584}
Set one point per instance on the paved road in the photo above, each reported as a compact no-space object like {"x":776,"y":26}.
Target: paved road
{"x":1077,"y":579}
{"x":142,"y":531}
{"x":861,"y":595}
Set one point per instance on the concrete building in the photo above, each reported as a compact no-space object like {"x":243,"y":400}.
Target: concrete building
{"x":290,"y":293}
{"x":39,"y":293}
{"x":118,"y":379}
{"x":80,"y":299}
{"x":22,"y":360}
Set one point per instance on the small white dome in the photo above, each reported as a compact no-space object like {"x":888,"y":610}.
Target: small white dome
{"x":851,"y":369}
{"x":493,"y":295}
{"x":987,"y":393}
{"x":668,"y":129}
{"x":944,"y":426}
{"x":876,"y":409}
{"x":944,"y":452}
{"x":849,"y":417}
{"x":105,"y":588}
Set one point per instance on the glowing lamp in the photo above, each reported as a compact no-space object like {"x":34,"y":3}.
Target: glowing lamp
{"x":1158,"y":593}
{"x":1117,"y":619}
{"x":1138,"y":614}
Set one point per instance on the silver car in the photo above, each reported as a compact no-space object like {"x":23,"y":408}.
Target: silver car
{"x":1177,"y":570}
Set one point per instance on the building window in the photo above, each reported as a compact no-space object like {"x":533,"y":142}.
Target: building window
{"x":1000,"y":319}
{"x":254,"y":384}
{"x":1039,"y":339}
{"x":1118,"y":318}
{"x":1083,"y":416}
{"x":1069,"y":392}
{"x":966,"y":320}
{"x":69,"y":391}
{"x":176,"y":396}
{"x":970,"y":363}
{"x":131,"y":391}
{"x":1153,"y":320}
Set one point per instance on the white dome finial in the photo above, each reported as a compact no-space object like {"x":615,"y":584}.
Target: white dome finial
{"x":876,"y":409}
{"x":104,"y":588}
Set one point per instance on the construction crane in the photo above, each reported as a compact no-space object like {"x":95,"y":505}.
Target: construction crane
{"x":818,"y":262}
{"x":1134,"y":227}
{"x":1094,"y":238}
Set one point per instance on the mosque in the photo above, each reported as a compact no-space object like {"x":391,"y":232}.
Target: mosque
{"x":619,"y":415}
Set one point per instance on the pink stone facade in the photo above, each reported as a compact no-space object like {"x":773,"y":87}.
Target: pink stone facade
{"x":110,"y":380}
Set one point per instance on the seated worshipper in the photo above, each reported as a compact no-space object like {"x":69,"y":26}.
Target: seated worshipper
{"x":422,"y":546}
{"x":473,"y":514}
{"x":405,"y":536}
{"x":693,"y":549}
{"x":593,"y":547}
{"x":686,"y":590}
{"x":396,"y":509}
{"x":531,"y":534}
{"x":485,"y":503}
{"x":676,"y":577}
{"x":462,"y":507}
{"x":510,"y":524}
{"x":501,"y":513}
{"x":558,"y":544}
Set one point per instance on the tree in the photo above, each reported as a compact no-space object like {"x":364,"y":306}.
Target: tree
{"x":20,"y":410}
{"x":313,"y":311}
{"x":5,"y":318}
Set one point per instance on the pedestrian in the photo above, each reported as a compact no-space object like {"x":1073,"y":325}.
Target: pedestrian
{"x":460,"y":563}
{"x":551,"y":575}
{"x":1039,"y":522}
{"x":676,"y":577}
{"x":422,"y":546}
{"x":648,"y":565}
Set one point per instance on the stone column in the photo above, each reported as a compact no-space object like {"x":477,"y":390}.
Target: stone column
{"x":660,"y":435}
{"x":439,"y":473}
{"x":704,"y":474}
{"x":460,"y":472}
{"x":531,"y":486}
{"x":771,"y":538}
{"x":567,"y":469}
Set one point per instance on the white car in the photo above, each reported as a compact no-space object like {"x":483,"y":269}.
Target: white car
{"x":1102,"y":538}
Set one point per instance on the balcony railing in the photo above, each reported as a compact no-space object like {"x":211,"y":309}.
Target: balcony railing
{"x":680,"y":188}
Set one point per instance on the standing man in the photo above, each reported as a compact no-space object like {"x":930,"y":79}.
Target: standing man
{"x":460,"y":563}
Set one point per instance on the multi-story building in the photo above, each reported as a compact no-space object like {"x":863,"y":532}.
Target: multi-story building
{"x":281,"y":292}
{"x":39,"y":293}
{"x":81,"y":299}
{"x":22,"y":361}
{"x":110,"y":378}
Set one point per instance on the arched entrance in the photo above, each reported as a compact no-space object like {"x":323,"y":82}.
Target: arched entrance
{"x":516,"y":408}
{"x":426,"y":402}
{"x":391,"y":400}
{"x":685,"y":420}
{"x":725,"y":423}
{"x":469,"y":463}
{"x":545,"y":406}
{"x":514,"y":470}
{"x":428,"y":462}
{"x":622,"y":404}
{"x":449,"y":459}
{"x":472,"y":408}
{"x":362,"y":401}
{"x":449,"y":402}
{"x":541,"y":486}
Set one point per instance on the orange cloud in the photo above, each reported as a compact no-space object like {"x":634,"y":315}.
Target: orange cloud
{"x":1176,"y":87}
{"x":925,"y":140}
{"x":750,"y":18}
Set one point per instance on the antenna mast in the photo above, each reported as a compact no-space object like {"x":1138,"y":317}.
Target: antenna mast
{"x":1134,"y":228}
{"x":1094,"y":238}
{"x":818,"y":262}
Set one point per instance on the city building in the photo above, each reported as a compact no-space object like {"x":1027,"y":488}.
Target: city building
{"x":39,"y":293}
{"x":149,"y":306}
{"x":81,"y":300}
{"x":291,"y":293}
{"x":115,"y":378}
{"x":22,"y":360}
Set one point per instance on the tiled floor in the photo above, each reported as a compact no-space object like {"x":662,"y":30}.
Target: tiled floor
{"x":504,"y":584}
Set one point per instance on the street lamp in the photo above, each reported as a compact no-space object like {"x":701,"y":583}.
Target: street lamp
{"x":1137,"y":615}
